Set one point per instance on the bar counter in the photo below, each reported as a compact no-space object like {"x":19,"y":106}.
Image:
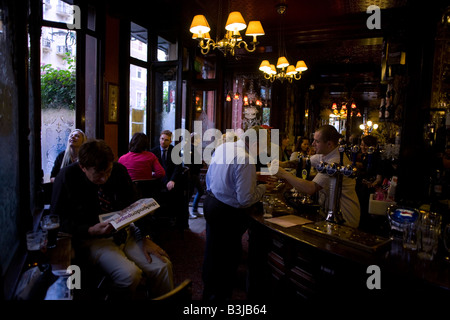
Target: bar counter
{"x":293,"y":262}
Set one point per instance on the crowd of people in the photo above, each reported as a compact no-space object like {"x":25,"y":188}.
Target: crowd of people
{"x":88,"y":182}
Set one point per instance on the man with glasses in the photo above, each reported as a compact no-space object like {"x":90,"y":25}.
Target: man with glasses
{"x":326,"y":141}
{"x":95,"y":185}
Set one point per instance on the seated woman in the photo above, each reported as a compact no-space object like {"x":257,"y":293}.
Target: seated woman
{"x":142,"y":165}
{"x":70,"y":155}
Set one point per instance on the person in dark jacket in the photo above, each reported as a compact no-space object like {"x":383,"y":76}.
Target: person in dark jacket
{"x":95,"y":185}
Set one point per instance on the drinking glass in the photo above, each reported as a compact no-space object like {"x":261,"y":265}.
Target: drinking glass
{"x":36,"y":246}
{"x":428,"y":231}
{"x":268,"y":202}
{"x":410,"y":236}
{"x":50,"y":223}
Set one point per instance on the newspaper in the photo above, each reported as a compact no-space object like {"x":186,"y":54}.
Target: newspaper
{"x":135,"y":211}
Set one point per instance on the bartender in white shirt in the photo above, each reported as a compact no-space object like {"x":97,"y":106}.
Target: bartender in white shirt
{"x":326,"y":140}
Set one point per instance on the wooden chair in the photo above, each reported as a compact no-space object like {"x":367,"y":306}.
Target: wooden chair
{"x":181,"y":293}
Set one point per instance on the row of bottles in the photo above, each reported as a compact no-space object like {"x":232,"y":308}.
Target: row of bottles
{"x":387,"y":108}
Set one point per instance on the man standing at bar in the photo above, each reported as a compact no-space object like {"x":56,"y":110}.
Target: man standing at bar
{"x":231,"y":193}
{"x":96,"y":185}
{"x":326,"y":141}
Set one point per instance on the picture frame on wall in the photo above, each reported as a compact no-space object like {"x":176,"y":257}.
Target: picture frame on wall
{"x":113,"y":102}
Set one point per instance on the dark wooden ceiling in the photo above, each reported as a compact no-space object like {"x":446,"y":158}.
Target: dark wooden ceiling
{"x":330,"y":35}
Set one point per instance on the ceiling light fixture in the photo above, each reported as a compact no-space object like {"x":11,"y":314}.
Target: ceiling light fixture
{"x":232,"y":40}
{"x":286,"y":71}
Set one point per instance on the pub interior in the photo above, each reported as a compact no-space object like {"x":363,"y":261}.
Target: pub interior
{"x":112,"y":69}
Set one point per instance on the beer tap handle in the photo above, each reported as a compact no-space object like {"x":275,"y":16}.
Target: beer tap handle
{"x":355,"y":150}
{"x":299,"y":166}
{"x":332,"y":169}
{"x":321,"y":167}
{"x":307,"y":169}
{"x":341,"y":149}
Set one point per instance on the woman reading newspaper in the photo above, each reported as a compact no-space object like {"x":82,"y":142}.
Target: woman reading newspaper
{"x":92,"y":187}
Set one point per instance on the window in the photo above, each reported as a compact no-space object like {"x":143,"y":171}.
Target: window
{"x":57,"y":11}
{"x":61,"y":112}
{"x":58,"y":92}
{"x":138,"y":100}
{"x":138,"y":42}
{"x":166,"y":50}
{"x":165,"y":108}
{"x":138,"y":79}
{"x":205,"y":67}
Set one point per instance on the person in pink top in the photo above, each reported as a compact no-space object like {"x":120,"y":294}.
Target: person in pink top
{"x":143,"y":167}
{"x":141,"y":163}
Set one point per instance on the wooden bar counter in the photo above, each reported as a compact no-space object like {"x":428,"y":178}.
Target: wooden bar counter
{"x":295,"y":263}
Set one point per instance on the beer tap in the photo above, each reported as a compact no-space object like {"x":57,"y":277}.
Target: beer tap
{"x":337,"y":172}
{"x":305,"y":175}
{"x":306,"y":172}
{"x":298,"y":173}
{"x":341,"y":149}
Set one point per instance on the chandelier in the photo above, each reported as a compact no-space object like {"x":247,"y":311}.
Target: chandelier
{"x":342,"y":111}
{"x":232,"y":40}
{"x":285,"y":70}
{"x":368,"y":127}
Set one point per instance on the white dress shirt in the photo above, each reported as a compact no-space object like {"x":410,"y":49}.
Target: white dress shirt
{"x":231,"y":176}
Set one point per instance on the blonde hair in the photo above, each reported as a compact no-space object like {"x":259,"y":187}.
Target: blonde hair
{"x":67,"y":157}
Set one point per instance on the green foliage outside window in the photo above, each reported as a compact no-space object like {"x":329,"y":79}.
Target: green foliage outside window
{"x":58,"y":87}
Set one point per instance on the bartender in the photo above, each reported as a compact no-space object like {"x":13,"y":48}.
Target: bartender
{"x":326,"y":140}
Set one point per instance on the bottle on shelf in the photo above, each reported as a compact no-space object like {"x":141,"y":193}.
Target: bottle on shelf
{"x":382,"y":110}
{"x":389,"y":110}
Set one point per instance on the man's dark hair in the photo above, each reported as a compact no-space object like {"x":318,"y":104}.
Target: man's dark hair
{"x":95,"y":154}
{"x":139,"y":142}
{"x":167,"y":133}
{"x":329,"y":133}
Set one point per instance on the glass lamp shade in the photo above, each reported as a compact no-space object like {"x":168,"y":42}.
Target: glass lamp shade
{"x":265,"y":66}
{"x":272,"y":69}
{"x":199,"y":25}
{"x":235,"y":22}
{"x":290,"y":71}
{"x":254,"y":29}
{"x":301,"y":66}
{"x":282,"y":62}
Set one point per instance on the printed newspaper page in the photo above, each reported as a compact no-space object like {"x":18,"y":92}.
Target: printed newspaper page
{"x":135,"y":211}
